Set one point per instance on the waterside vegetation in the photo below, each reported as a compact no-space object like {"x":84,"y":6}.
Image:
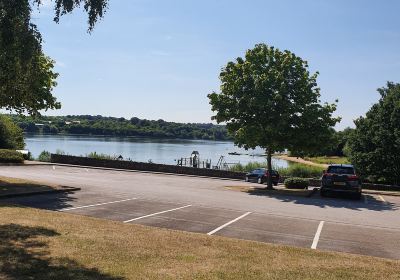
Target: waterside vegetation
{"x":293,"y":170}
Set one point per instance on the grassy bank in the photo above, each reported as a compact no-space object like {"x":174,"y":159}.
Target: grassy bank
{"x":40,"y":244}
{"x":328,"y":160}
{"x":294,"y":169}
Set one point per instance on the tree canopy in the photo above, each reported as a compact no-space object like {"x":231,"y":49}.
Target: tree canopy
{"x":94,"y":8}
{"x":374,"y":146}
{"x":27,"y":77}
{"x":269,"y":99}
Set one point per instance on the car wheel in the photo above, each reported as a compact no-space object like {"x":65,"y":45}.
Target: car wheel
{"x":275,"y":184}
{"x":322,"y":192}
{"x":260,"y":180}
{"x":246,"y":179}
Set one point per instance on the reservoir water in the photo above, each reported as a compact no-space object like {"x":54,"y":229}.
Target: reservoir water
{"x":165,"y":151}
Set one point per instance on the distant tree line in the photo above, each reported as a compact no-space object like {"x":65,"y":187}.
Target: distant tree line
{"x":99,"y":125}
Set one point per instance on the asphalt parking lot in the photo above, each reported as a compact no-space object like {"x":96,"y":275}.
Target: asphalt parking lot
{"x":370,"y":226}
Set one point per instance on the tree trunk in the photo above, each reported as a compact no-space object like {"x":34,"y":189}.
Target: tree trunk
{"x":269,"y":167}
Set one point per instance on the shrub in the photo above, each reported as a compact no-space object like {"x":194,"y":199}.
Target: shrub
{"x":100,"y":156}
{"x":11,"y":136}
{"x":296,"y":183}
{"x":248,"y":167}
{"x":45,"y":156}
{"x":301,"y":170}
{"x":10,"y":156}
{"x":293,"y":170}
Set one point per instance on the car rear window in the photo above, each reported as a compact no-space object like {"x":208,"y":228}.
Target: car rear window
{"x":341,"y":170}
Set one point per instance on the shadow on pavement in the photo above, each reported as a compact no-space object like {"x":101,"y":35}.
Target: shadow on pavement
{"x":24,"y":256}
{"x":339,"y":200}
{"x":19,"y":187}
{"x":54,"y":201}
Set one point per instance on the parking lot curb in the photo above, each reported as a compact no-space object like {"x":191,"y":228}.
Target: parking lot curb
{"x":381,"y":192}
{"x":65,"y":190}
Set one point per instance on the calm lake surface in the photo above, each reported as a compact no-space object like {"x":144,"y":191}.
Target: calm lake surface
{"x":165,"y":151}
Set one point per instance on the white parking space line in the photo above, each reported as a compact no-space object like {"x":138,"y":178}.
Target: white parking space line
{"x":98,"y":204}
{"x":381,"y":198}
{"x":54,"y":167}
{"x":228,"y":223}
{"x":317,"y":234}
{"x":154,"y":214}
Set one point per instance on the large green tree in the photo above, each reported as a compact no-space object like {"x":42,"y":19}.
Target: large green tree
{"x":269,"y":99}
{"x":27,"y":77}
{"x":374,"y":146}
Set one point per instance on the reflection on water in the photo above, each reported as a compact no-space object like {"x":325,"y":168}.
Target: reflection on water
{"x":144,"y":149}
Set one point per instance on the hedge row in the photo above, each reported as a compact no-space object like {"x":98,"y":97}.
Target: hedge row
{"x":296,"y":183}
{"x":10,"y":156}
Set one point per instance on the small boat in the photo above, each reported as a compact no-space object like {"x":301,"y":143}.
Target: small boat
{"x":234,"y":154}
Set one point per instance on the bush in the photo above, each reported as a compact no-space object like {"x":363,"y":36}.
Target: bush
{"x":11,"y":136}
{"x":301,"y":170}
{"x":296,"y":183}
{"x":10,"y":156}
{"x":248,"y":167}
{"x":45,"y":156}
{"x":294,"y":169}
{"x":100,"y":156}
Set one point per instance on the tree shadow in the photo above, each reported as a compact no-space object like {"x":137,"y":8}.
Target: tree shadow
{"x":23,"y":256}
{"x":18,"y":186}
{"x":339,"y":200}
{"x":51,"y":201}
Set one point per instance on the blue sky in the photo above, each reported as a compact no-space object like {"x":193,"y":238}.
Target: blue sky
{"x":159,"y":59}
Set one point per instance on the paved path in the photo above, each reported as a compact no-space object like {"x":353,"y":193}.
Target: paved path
{"x":370,"y":226}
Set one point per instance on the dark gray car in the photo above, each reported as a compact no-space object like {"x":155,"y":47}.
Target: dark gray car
{"x":341,"y":178}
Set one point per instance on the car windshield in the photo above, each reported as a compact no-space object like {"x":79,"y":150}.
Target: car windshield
{"x":341,"y":170}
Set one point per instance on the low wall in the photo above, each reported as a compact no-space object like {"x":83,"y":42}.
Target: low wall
{"x":143,"y":166}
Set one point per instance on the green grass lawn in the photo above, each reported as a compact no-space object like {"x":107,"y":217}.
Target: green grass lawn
{"x":328,"y":160}
{"x":39,"y":244}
